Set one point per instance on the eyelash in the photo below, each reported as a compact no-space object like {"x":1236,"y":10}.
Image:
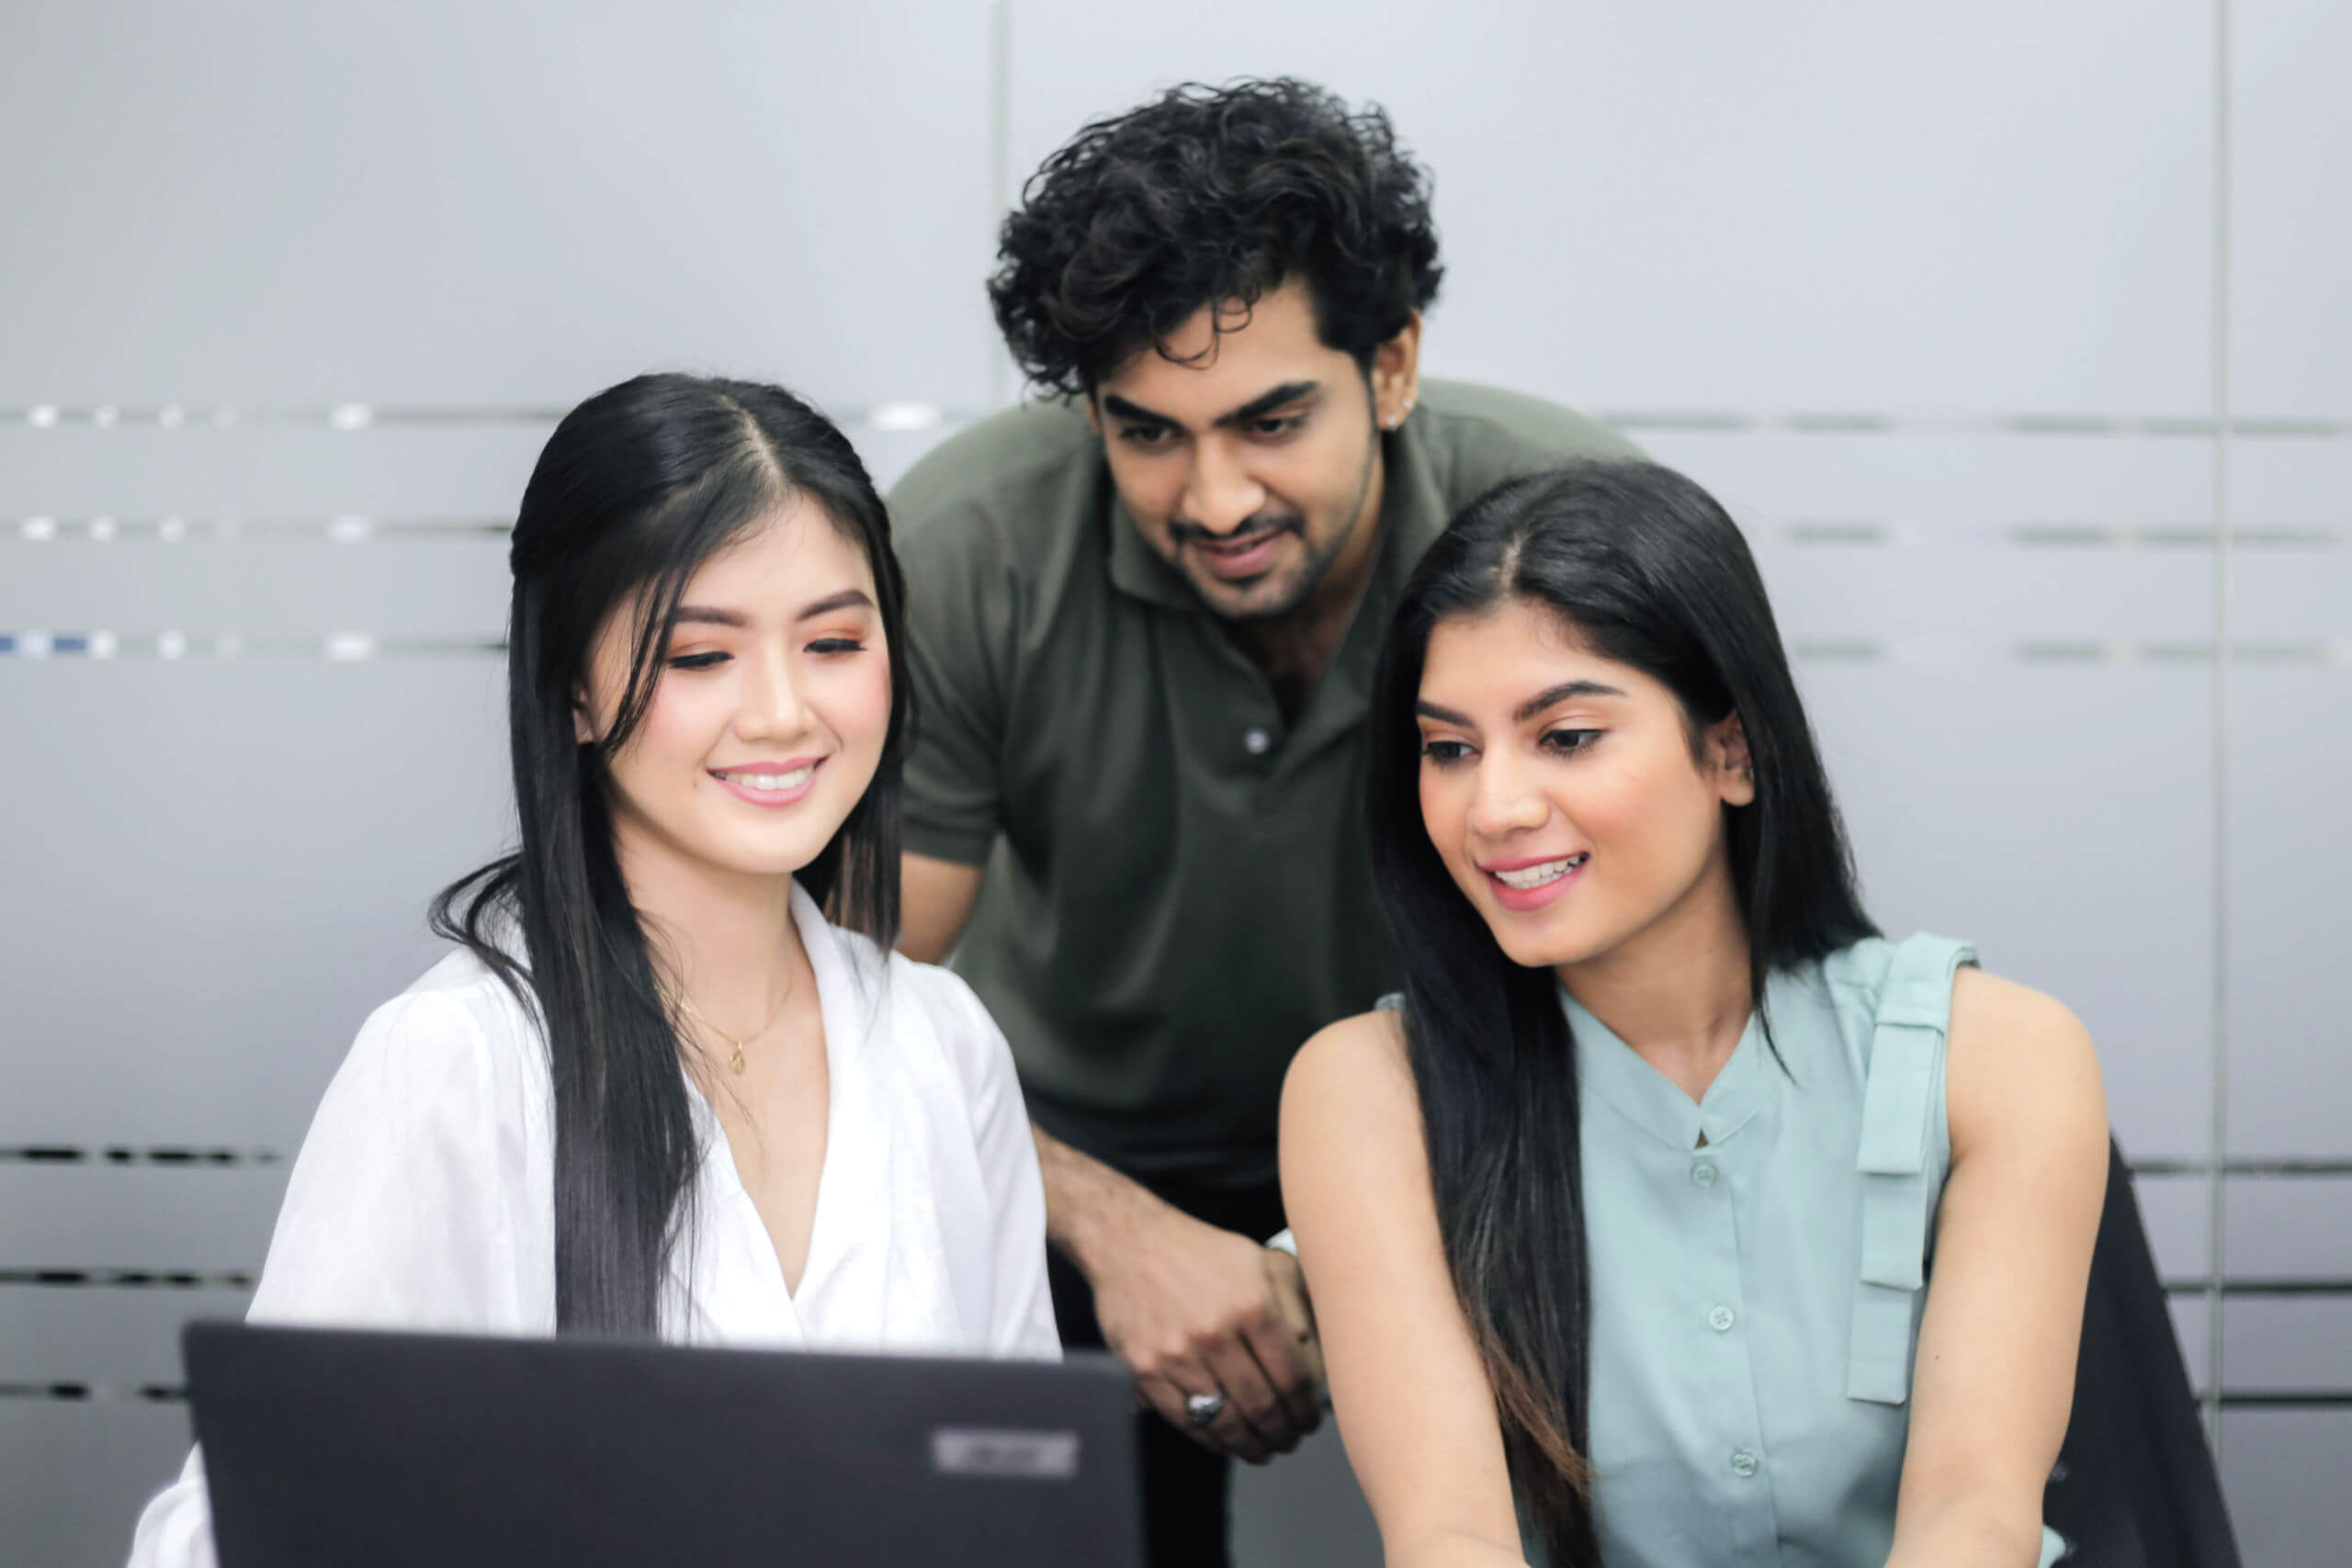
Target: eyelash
{"x":823,"y":645}
{"x":1578,"y":741}
{"x":1152,"y":436}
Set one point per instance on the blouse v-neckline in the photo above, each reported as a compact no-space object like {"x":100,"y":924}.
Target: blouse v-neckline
{"x":857,"y":1152}
{"x":1656,"y":1104}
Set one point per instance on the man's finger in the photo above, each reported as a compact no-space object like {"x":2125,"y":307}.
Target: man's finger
{"x":1282,"y":1362}
{"x":1251,"y":1396}
{"x":1168,"y":1400}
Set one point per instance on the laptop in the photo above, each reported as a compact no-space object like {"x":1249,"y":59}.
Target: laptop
{"x":368,"y":1449}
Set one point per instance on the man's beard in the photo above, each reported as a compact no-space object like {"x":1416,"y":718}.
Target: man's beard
{"x":1309,"y":571}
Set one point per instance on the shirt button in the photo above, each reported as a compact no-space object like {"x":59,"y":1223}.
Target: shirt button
{"x":1256,"y":741}
{"x":1720,"y":1318}
{"x":1742,"y":1463}
{"x":1702,"y":1174}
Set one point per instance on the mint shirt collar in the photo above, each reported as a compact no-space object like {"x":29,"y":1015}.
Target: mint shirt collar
{"x":1615,"y":1072}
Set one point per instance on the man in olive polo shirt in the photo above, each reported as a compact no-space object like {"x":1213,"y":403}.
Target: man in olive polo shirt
{"x":1143,"y":624}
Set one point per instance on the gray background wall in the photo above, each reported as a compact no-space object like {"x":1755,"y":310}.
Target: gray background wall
{"x":2016,"y":334}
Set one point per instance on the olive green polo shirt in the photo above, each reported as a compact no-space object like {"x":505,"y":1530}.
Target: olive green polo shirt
{"x":1176,"y":892}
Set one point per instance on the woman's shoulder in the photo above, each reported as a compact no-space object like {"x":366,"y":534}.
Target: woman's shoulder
{"x":921,"y":1005}
{"x":2014,"y":1055}
{"x":458,"y":1024}
{"x":1353,"y":1073}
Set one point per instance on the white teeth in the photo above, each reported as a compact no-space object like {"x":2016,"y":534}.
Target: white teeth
{"x":1537,"y":875}
{"x":792,"y":780}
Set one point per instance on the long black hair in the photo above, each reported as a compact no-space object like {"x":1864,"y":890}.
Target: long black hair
{"x":1651,"y":573}
{"x":637,"y":488}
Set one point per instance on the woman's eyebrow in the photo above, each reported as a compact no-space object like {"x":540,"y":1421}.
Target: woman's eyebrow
{"x":847,"y":599}
{"x":1560,"y":694}
{"x":1528,"y":709}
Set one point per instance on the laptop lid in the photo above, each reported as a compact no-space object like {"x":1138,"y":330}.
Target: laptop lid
{"x":365,"y":1449}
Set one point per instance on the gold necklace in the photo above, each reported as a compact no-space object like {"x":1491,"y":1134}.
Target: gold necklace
{"x":735,"y":1062}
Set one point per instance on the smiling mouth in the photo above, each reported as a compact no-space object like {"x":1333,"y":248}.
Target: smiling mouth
{"x":1527,"y":878}
{"x":771,"y":781}
{"x":1238,"y":558}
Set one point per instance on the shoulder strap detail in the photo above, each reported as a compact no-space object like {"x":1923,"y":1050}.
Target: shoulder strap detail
{"x":1394,"y":1001}
{"x":1907,"y":1041}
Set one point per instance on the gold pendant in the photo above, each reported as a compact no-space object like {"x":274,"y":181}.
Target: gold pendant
{"x":736,"y":1061}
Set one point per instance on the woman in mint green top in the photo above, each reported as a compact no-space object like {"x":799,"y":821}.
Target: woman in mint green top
{"x":1676,"y":1220}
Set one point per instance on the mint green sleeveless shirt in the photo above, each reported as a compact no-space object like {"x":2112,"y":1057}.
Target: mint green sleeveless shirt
{"x":1758,"y":1262}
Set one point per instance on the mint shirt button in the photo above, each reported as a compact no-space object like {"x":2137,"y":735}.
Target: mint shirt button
{"x":1742,"y":1463}
{"x":1720,"y":1318}
{"x":1702,"y":1174}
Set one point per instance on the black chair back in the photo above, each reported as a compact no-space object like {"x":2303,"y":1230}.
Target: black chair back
{"x":2135,"y":1486}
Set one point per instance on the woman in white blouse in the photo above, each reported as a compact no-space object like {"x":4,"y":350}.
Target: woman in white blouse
{"x":673,"y":1082}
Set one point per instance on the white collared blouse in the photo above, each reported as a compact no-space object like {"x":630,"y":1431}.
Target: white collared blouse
{"x":423,"y":1195}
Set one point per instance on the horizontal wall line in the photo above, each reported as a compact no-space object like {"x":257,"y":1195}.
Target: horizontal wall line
{"x":1861,"y":534}
{"x":1730,"y":422}
{"x":335,"y":647}
{"x":359,"y":647}
{"x":2290,"y":1167}
{"x":131,"y":1279}
{"x":172,"y":528}
{"x":2260,"y":1287}
{"x":97,"y":1394}
{"x":123,"y":1153}
{"x":914,"y":414}
{"x":890,"y":415}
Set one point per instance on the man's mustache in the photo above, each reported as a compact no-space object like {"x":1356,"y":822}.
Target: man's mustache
{"x":1257,"y":527}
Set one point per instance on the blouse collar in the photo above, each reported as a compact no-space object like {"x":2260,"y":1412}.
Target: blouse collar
{"x":1615,"y":1071}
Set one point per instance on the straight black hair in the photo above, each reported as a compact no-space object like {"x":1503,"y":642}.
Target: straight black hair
{"x":1648,"y":571}
{"x":638,"y":488}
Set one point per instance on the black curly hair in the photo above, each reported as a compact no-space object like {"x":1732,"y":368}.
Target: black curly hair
{"x":1204,"y":195}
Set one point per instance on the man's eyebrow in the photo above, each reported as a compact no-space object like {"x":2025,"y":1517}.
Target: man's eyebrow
{"x":1266,"y":404}
{"x":1256,"y":408}
{"x":847,"y":599}
{"x":1134,"y":413}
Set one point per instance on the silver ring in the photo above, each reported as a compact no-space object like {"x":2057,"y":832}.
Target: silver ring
{"x":1201,"y":1409}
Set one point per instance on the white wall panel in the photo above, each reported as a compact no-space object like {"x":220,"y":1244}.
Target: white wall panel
{"x":2287,"y":1344}
{"x":2176,"y":1211}
{"x":449,"y":203}
{"x":73,"y":1476}
{"x":2290,"y":209}
{"x":115,"y":1338}
{"x":2284,"y":1469}
{"x":138,"y":471}
{"x":2288,"y":1227}
{"x":1810,"y":205}
{"x":197,"y":1217}
{"x":221,"y":866}
{"x":2290,"y":754}
{"x":2019,"y":808}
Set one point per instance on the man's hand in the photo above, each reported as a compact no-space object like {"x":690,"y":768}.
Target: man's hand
{"x":1191,"y":1309}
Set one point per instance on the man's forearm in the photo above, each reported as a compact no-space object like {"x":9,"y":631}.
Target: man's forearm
{"x":1085,"y":1198}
